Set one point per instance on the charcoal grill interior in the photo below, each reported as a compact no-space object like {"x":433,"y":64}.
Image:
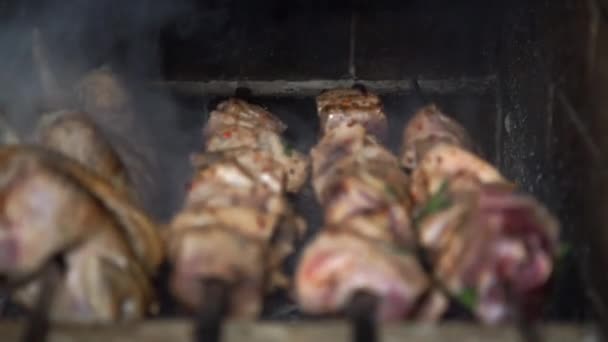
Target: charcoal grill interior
{"x":515,"y":74}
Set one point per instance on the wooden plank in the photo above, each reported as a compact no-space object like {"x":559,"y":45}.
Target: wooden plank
{"x":176,"y":331}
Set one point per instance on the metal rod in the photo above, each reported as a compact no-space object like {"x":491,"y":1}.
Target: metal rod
{"x":418,"y":91}
{"x":476,"y":85}
{"x":352,"y":64}
{"x":526,"y":326}
{"x":38,"y":322}
{"x":362,"y":315}
{"x":213,"y":310}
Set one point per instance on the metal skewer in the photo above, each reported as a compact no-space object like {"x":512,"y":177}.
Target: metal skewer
{"x":215,"y":303}
{"x":38,"y":322}
{"x":361,"y":312}
{"x":527,"y":328}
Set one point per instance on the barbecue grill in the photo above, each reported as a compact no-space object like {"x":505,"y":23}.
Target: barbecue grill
{"x":526,"y":78}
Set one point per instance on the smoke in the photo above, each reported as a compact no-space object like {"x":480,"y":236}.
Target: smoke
{"x":79,"y":36}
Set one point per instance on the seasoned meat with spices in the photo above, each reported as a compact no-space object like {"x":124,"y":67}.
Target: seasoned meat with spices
{"x":339,"y":263}
{"x":367,"y":242}
{"x":487,"y":240}
{"x":236,"y":125}
{"x":350,"y":106}
{"x":463,"y":169}
{"x":489,"y":245}
{"x":428,"y":127}
{"x":236,"y":225}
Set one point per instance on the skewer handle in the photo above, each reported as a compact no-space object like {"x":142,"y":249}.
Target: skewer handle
{"x":362,"y":315}
{"x":213,"y":311}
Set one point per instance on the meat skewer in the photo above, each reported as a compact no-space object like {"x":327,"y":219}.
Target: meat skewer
{"x":76,"y":206}
{"x":73,"y":134}
{"x":38,"y":323}
{"x":366,"y":248}
{"x":484,"y":239}
{"x":236,"y":227}
{"x":106,"y":277}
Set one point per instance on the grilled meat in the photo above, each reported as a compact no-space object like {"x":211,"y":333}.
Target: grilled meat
{"x":75,"y":135}
{"x":354,"y":176}
{"x":236,"y":124}
{"x":442,"y":162}
{"x":236,"y":224}
{"x":102,"y":282}
{"x":428,"y":127}
{"x":485,"y":241}
{"x":339,"y":106}
{"x":52,"y":205}
{"x":338,"y":263}
{"x":367,"y":241}
{"x":73,"y":200}
{"x":488,"y":243}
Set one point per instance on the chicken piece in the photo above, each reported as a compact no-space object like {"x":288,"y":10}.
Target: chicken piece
{"x":233,"y":138}
{"x":76,"y":136}
{"x":247,"y":221}
{"x":52,"y":205}
{"x":444,"y":162}
{"x":428,"y":127}
{"x":257,"y":163}
{"x":286,"y":232}
{"x":243,"y":194}
{"x":214,"y":252}
{"x":102,"y":282}
{"x":235,"y":112}
{"x":42,"y":214}
{"x":226,"y":184}
{"x":348,"y":147}
{"x":236,"y":124}
{"x":68,"y":186}
{"x":351,"y":106}
{"x":335,"y":154}
{"x":236,"y":225}
{"x":487,"y":240}
{"x":367,"y":242}
{"x":338,"y":264}
{"x":353,"y":175}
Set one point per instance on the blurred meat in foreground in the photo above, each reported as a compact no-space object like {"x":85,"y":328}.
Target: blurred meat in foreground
{"x":489,"y":245}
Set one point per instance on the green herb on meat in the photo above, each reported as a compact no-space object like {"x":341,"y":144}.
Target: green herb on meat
{"x":437,"y":202}
{"x":391,"y":190}
{"x":563,"y":250}
{"x":117,"y":182}
{"x":287,"y":149}
{"x":468,"y":298}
